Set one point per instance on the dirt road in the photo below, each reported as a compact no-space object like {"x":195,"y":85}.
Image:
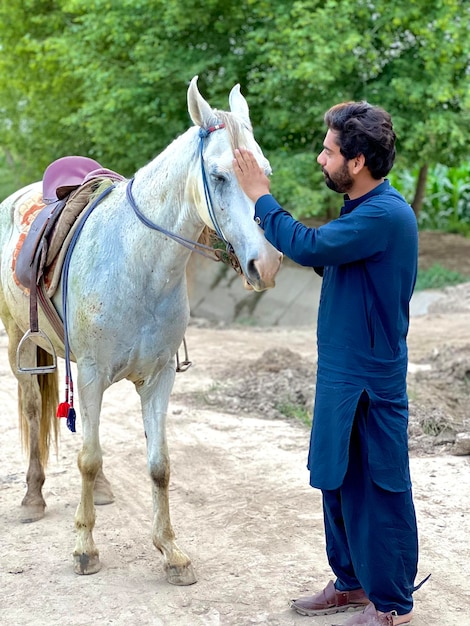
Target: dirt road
{"x":241,"y":504}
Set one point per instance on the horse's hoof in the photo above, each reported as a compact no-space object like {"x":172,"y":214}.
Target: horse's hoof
{"x":31,"y":513}
{"x":85,"y":564}
{"x":178,"y":575}
{"x":100,"y":498}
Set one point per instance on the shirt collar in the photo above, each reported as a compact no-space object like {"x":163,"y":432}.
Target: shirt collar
{"x":350,"y":205}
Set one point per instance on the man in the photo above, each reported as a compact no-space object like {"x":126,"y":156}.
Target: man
{"x":359,"y":449}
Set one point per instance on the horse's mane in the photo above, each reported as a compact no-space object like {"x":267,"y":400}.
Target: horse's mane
{"x":102,"y":184}
{"x":234,"y":127}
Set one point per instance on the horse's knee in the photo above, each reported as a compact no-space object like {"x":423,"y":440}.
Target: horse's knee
{"x":89,"y":464}
{"x":160,"y":474}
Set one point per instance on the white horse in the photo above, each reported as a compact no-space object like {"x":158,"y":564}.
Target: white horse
{"x":127,"y":307}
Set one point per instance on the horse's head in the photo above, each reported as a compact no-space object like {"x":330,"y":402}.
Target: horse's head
{"x":215,"y":191}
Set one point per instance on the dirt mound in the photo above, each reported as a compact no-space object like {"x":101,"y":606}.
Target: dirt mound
{"x":440,"y":399}
{"x":281,"y":385}
{"x":456,"y":300}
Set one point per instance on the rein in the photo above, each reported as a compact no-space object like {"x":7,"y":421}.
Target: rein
{"x":226,"y":256}
{"x":66,"y":409}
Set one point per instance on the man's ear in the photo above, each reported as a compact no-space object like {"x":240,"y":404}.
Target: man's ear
{"x":358,"y":163}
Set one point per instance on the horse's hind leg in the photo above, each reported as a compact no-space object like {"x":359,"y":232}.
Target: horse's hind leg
{"x":35,"y":417}
{"x":102,"y":492}
{"x":154,"y":398}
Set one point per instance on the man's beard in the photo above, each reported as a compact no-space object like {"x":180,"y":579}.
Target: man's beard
{"x":341,"y":181}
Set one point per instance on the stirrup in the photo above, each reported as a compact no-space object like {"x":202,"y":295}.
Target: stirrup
{"x":42,"y":369}
{"x":182,"y":366}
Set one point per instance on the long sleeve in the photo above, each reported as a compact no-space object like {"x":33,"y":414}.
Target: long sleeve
{"x":354,"y":236}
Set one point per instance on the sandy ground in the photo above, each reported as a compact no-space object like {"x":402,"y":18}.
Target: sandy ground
{"x":241,"y":504}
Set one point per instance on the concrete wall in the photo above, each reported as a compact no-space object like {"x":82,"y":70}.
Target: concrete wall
{"x":217,"y":294}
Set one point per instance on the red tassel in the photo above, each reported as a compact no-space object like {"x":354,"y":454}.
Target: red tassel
{"x":63,"y":409}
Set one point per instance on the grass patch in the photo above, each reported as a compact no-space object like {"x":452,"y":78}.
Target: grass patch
{"x":247,"y":321}
{"x":434,"y":426}
{"x":295,"y":411}
{"x":437,"y":277}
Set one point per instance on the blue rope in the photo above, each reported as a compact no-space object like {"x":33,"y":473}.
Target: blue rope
{"x":65,"y":285}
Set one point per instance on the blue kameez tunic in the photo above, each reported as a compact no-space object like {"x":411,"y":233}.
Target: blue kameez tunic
{"x":369,"y":255}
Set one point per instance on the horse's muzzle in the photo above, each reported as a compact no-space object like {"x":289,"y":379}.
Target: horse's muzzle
{"x":261,"y":273}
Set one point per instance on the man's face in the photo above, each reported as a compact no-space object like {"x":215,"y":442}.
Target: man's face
{"x":334,"y":166}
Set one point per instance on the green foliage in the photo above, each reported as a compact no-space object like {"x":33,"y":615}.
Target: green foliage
{"x":298,"y":183}
{"x":409,"y":56}
{"x":108,"y":79}
{"x":437,"y":277}
{"x":7,"y":179}
{"x":38,"y":88}
{"x":447,"y":204}
{"x":447,"y":201}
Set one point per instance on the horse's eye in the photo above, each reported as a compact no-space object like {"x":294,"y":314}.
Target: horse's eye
{"x":218,"y":178}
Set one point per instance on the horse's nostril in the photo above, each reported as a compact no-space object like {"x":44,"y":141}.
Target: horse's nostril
{"x":253,"y":270}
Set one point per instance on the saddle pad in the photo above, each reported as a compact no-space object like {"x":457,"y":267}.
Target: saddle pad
{"x":26,"y":212}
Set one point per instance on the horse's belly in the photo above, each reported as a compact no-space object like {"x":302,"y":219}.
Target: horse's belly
{"x":127,"y":337}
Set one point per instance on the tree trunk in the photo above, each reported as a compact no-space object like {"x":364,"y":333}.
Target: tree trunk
{"x":420,"y":189}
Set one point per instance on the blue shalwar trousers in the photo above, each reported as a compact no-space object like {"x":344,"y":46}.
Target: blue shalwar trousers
{"x":371,"y":533}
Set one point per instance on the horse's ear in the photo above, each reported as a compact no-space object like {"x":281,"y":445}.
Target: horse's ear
{"x":200,"y":111}
{"x":239,"y":105}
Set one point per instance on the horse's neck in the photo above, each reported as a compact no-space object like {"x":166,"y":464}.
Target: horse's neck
{"x":159,"y":191}
{"x":160,"y":188}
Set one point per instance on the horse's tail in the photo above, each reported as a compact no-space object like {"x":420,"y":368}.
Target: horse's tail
{"x":49,"y":424}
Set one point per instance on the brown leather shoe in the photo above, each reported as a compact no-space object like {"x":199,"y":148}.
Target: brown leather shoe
{"x":330,"y":600}
{"x":370,"y":617}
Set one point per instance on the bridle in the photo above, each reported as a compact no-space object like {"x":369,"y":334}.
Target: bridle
{"x":203,"y":133}
{"x":228,"y":255}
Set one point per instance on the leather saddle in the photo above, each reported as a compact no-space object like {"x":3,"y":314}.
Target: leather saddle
{"x":61,"y":178}
{"x":68,"y":180}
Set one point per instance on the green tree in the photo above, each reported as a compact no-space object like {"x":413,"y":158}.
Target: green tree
{"x":108,"y":79}
{"x":112,"y":75}
{"x":409,"y":56}
{"x":135,"y":64}
{"x":38,"y":87}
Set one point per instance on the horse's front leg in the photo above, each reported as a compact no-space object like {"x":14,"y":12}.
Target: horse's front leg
{"x":90,"y":460}
{"x":154,"y":397}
